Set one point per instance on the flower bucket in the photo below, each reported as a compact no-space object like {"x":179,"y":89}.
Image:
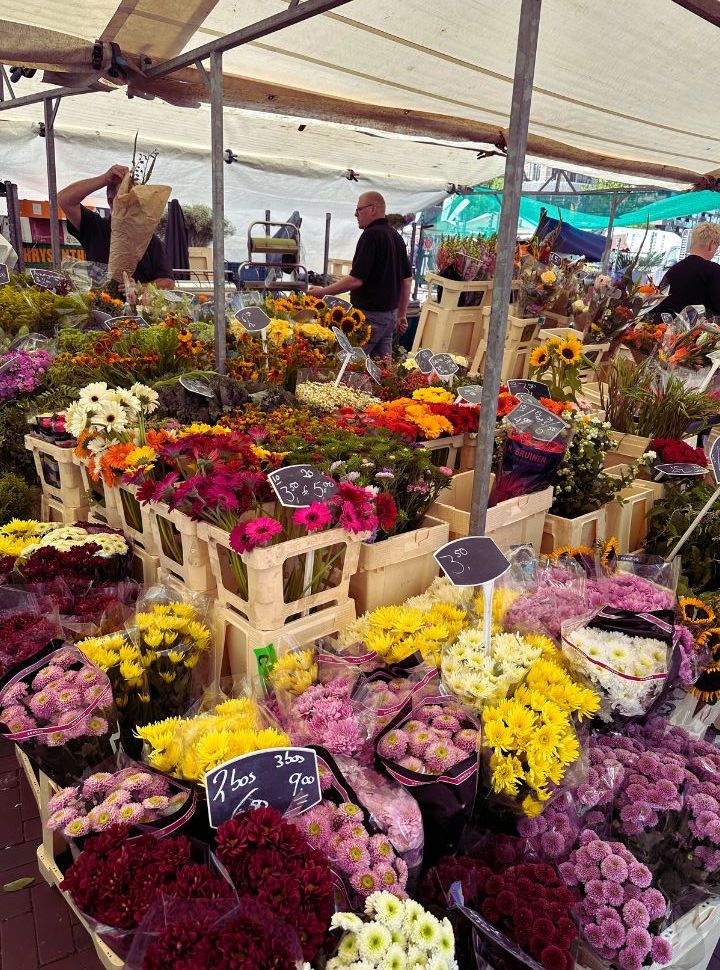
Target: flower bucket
{"x":59,"y":475}
{"x":627,"y":447}
{"x":180,"y":550}
{"x":391,"y":571}
{"x":101,"y":499}
{"x":134,"y":518}
{"x":268,"y":588}
{"x":584,"y":530}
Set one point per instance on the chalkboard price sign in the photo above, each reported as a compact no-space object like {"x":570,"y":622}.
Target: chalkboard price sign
{"x":4,"y":274}
{"x":536,"y":421}
{"x":46,"y":279}
{"x":197,"y":385}
{"x":298,"y":486}
{"x":472,"y":393}
{"x":535,"y":388}
{"x":443,"y":365}
{"x":332,"y":301}
{"x":286,"y":779}
{"x":422,"y":359}
{"x":373,"y":370}
{"x":472,"y":561}
{"x":715,"y":459}
{"x":253,"y":319}
{"x":681,"y":469}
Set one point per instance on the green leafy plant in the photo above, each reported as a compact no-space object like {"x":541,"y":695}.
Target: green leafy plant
{"x":16,"y":497}
{"x":638,"y":401}
{"x":669,"y":519}
{"x":199,"y":224}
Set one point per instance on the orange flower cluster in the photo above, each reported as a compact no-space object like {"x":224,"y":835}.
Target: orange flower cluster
{"x":124,"y":458}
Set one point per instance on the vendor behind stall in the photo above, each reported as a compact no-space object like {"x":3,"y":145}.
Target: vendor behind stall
{"x":93,"y":232}
{"x":695,"y":280}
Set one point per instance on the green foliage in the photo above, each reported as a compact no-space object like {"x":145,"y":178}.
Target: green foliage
{"x":16,"y":497}
{"x":199,"y":224}
{"x":37,"y":311}
{"x":669,"y":519}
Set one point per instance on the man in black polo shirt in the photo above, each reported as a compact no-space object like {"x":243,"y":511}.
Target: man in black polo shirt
{"x":93,"y":232}
{"x":380,"y":276}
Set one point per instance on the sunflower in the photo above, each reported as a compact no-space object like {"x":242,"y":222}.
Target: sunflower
{"x":560,"y":552}
{"x":695,"y":611}
{"x":570,"y":350}
{"x":336,"y":314}
{"x":709,"y":640}
{"x":357,"y":315}
{"x":539,"y":357}
{"x":609,"y":554}
{"x":347,"y":325}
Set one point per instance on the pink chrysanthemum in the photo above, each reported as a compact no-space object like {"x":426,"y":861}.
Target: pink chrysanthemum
{"x":55,"y":739}
{"x":639,"y":875}
{"x":440,"y":756}
{"x":613,"y":933}
{"x":394,"y":745}
{"x":364,"y":883}
{"x":614,"y":867}
{"x":419,"y":741}
{"x":118,"y":797}
{"x":14,"y":693}
{"x":466,"y":739}
{"x":655,"y":903}
{"x":594,"y":892}
{"x":77,"y":828}
{"x":410,"y":727}
{"x":446,"y":722}
{"x":635,"y":914}
{"x":597,"y":851}
{"x":130,"y":813}
{"x":65,"y":658}
{"x":46,"y":676}
{"x":381,"y":849}
{"x":63,"y":799}
{"x":61,"y":818}
{"x":102,"y":817}
{"x":387,"y":878}
{"x":351,"y":811}
{"x":613,"y":893}
{"x":43,"y":704}
{"x":353,"y":855}
{"x":411,"y":763}
{"x":661,"y":951}
{"x":97,"y":726}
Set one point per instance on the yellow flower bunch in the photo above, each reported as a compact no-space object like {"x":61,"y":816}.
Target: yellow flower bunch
{"x":503,"y":599}
{"x":197,"y":427}
{"x":433,"y":395}
{"x":18,"y":534}
{"x":190,"y":747}
{"x":397,"y":632}
{"x":548,"y":277}
{"x":531,"y":738}
{"x":294,"y":672}
{"x":567,"y":352}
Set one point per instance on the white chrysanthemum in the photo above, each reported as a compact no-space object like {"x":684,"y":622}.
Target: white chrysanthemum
{"x":413,"y":912}
{"x":395,"y":958}
{"x":147,"y":397}
{"x":348,"y":951}
{"x":438,"y":962}
{"x":373,"y":942}
{"x":346,"y":921}
{"x":386,"y":908}
{"x":446,"y":946}
{"x":77,"y":416}
{"x":416,"y":957}
{"x":426,"y":933}
{"x":111,"y":417}
{"x":94,"y":393}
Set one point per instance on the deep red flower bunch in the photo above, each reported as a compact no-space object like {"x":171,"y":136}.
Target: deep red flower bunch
{"x":22,"y":635}
{"x":77,"y":566}
{"x":463,"y":417}
{"x":115,"y":880}
{"x":268,"y":858}
{"x":671,"y":451}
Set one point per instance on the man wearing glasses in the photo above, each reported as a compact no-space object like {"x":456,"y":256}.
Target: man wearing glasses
{"x":380,"y":276}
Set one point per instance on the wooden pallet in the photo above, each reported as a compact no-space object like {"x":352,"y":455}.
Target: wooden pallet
{"x":53,"y":511}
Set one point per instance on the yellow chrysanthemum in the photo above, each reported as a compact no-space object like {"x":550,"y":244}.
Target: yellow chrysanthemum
{"x":507,"y":774}
{"x":497,"y":735}
{"x":433,"y":395}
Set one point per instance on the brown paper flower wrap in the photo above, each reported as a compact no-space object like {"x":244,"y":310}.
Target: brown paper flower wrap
{"x":136,"y":212}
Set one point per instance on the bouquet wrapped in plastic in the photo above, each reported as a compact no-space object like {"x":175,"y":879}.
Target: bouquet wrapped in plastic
{"x":25,"y":628}
{"x":528,"y":463}
{"x":59,"y":709}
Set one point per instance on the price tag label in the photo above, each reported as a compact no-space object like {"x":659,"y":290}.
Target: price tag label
{"x":373,"y":370}
{"x":197,"y":385}
{"x":682,"y":469}
{"x":343,"y":341}
{"x":715,"y":459}
{"x":443,"y":365}
{"x":286,"y":779}
{"x":555,"y":259}
{"x":47,"y":279}
{"x":4,"y":274}
{"x":472,"y":393}
{"x":332,"y":301}
{"x":535,"y":388}
{"x":536,"y":421}
{"x":31,"y":341}
{"x":358,"y":355}
{"x":422,"y":359}
{"x":172,"y":297}
{"x":253,"y":319}
{"x":472,"y":561}
{"x":298,"y":486}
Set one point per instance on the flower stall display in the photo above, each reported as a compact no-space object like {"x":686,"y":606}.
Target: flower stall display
{"x":301,"y":309}
{"x":557,"y":363}
{"x":59,"y":710}
{"x":393,"y":931}
{"x":129,"y":797}
{"x":329,"y":397}
{"x":326,"y":715}
{"x":530,"y":741}
{"x":268,"y":859}
{"x":467,"y":258}
{"x":189,"y":747}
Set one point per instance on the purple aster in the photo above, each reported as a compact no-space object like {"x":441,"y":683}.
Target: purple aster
{"x":594,"y":892}
{"x":597,"y":851}
{"x":613,"y":933}
{"x":661,"y":951}
{"x":613,"y":893}
{"x":636,"y":914}
{"x":553,"y":844}
{"x":639,"y":875}
{"x":629,"y":959}
{"x":655,"y":903}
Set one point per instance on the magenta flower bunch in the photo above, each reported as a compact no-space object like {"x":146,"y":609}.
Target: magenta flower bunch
{"x":127,"y":797}
{"x":324,"y":714}
{"x":553,"y":834}
{"x":434,"y":738}
{"x":621,"y":914}
{"x":66,"y":694}
{"x":21,"y":372}
{"x":368,"y":863}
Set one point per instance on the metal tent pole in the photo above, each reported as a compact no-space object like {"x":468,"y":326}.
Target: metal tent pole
{"x":51,"y":108}
{"x":13,"y":208}
{"x":507,"y":236}
{"x":218,"y":204}
{"x":326,"y":251}
{"x":608,"y":241}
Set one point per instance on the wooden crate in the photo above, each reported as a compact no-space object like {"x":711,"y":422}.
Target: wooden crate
{"x":585,"y":530}
{"x":391,"y":571}
{"x":134,"y":518}
{"x":143,"y":567}
{"x":557,"y":320}
{"x":179,"y":548}
{"x":100,"y":498}
{"x":445,"y":327}
{"x":546,"y":333}
{"x":265,"y":607}
{"x":30,"y":773}
{"x":240,"y":639}
{"x":520,"y":341}
{"x":657,"y":488}
{"x":444,"y":450}
{"x":628,"y":521}
{"x":57,"y":470}
{"x":626,"y":447}
{"x":516,"y":521}
{"x":467,"y":455}
{"x":54,"y":511}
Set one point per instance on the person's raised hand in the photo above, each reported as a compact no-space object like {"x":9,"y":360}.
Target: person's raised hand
{"x":115,"y":174}
{"x":316,"y":291}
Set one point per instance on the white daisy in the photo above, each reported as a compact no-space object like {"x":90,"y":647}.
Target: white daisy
{"x":147,"y":397}
{"x":386,"y":908}
{"x":76,"y":417}
{"x":94,"y":393}
{"x":112,"y":417}
{"x":346,"y":921}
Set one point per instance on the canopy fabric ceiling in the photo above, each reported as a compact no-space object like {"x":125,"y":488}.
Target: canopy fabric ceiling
{"x":609,"y":78}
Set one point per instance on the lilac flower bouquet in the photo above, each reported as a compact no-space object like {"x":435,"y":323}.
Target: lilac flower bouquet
{"x":21,"y":372}
{"x":325,"y":715}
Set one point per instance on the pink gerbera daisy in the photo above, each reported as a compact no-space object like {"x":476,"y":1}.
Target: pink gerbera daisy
{"x":314,"y":518}
{"x":261,"y":532}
